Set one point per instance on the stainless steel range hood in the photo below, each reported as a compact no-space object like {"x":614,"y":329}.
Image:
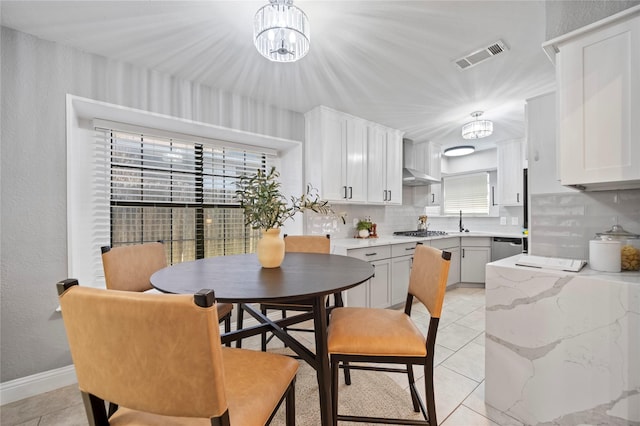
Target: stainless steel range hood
{"x":410,"y":175}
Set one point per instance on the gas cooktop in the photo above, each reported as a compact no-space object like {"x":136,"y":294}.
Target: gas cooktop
{"x":420,"y":233}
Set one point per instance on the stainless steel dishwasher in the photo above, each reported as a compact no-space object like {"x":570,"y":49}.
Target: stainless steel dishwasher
{"x":502,"y":247}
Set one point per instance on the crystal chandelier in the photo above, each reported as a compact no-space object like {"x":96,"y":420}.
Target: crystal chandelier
{"x":477,"y":128}
{"x":281,"y":31}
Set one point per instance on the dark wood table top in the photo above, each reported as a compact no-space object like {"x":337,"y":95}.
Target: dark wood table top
{"x":240,"y":278}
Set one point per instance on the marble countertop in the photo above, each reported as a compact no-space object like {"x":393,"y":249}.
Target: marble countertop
{"x":350,"y":243}
{"x":586,"y":272}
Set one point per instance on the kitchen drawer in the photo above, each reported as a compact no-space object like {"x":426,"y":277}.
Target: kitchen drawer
{"x":476,"y":242}
{"x":371,"y":253}
{"x":403,"y":249}
{"x":445,"y":243}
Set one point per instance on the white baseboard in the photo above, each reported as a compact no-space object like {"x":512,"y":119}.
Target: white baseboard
{"x":25,"y":387}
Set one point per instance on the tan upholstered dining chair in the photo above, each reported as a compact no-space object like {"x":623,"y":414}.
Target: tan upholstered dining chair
{"x":158,"y":360}
{"x":129,"y":268}
{"x":385,"y":336}
{"x":296,"y":244}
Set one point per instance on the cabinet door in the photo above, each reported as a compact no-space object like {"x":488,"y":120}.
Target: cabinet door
{"x":434,"y":195}
{"x":334,"y":164}
{"x":357,"y":296}
{"x":356,"y":159}
{"x":454,"y":266}
{"x":376,"y":165}
{"x":599,"y":106}
{"x":435,"y":160}
{"x":472,"y":264}
{"x":543,"y":163}
{"x":379,"y":285}
{"x":510,"y":173}
{"x":394,"y":167}
{"x":400,"y":272}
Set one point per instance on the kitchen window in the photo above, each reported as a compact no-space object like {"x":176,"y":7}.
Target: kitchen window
{"x":179,"y":191}
{"x":469,"y":193}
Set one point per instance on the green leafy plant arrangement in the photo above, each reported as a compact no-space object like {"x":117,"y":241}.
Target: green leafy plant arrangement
{"x":264,"y":205}
{"x":363,"y":224}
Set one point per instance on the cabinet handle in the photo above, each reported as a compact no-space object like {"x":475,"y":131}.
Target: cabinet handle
{"x":370,"y":254}
{"x":345,"y":191}
{"x":384,"y":195}
{"x":350,"y":192}
{"x":517,"y":197}
{"x":462,"y":252}
{"x":389,"y":196}
{"x":493,"y":196}
{"x":410,"y":248}
{"x":433,"y":198}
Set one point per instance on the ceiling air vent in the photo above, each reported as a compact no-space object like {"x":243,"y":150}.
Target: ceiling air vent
{"x":481,"y":55}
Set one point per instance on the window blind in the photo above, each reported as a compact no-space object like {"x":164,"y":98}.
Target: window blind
{"x":178,"y":191}
{"x":469,"y":193}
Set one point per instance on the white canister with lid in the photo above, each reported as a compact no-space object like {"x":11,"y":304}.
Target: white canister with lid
{"x":604,"y":255}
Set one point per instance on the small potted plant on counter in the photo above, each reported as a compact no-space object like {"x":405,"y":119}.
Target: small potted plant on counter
{"x":364,"y":227}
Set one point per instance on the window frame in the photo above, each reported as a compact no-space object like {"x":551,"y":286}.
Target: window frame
{"x":487,"y":174}
{"x":82,"y":114}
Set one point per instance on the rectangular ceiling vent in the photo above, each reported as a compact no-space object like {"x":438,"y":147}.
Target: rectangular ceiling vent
{"x":481,"y":55}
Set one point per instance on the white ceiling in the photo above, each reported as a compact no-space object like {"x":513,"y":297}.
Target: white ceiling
{"x":387,"y":61}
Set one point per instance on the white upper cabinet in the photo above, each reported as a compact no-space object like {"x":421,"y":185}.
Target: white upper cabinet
{"x":510,"y":178}
{"x":541,"y":142}
{"x":352,"y":160}
{"x":384,"y":166}
{"x":597,"y":72}
{"x":336,"y":155}
{"x":426,"y":157}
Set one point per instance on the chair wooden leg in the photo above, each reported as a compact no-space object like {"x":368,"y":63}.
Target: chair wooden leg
{"x":240,"y":323}
{"x":291,"y":404}
{"x":95,"y":409}
{"x":263,"y":336}
{"x":227,"y":326}
{"x":429,"y":394}
{"x":335,"y":367}
{"x":412,"y":387}
{"x":347,"y":373}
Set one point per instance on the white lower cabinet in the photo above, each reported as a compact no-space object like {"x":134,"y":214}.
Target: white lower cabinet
{"x":451,"y":245}
{"x":380,"y":285}
{"x":376,"y":292}
{"x":401,"y":262}
{"x":476,"y":253}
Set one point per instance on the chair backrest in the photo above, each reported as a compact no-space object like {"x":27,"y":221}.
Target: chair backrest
{"x":130,"y":268}
{"x":307,"y":244}
{"x":428,"y":279}
{"x":155,"y":353}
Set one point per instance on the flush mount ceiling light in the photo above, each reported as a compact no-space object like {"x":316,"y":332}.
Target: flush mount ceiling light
{"x":281,"y":31}
{"x":458,"y":151}
{"x":478,"y":128}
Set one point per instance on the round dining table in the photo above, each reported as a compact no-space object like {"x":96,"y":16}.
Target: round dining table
{"x":302,"y":278}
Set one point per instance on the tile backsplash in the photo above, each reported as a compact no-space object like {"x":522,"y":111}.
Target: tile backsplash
{"x":561,"y":225}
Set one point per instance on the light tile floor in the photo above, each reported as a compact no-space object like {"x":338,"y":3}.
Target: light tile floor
{"x":458,"y":373}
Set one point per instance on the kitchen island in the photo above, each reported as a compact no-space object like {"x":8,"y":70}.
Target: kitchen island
{"x":562,"y":348}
